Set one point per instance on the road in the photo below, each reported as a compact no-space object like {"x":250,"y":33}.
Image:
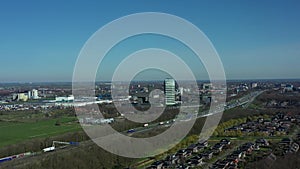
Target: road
{"x":247,"y":99}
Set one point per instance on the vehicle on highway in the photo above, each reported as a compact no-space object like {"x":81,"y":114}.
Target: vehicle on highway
{"x":131,"y":131}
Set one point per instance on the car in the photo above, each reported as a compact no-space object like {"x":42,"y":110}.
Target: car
{"x":48,"y":149}
{"x":131,"y":131}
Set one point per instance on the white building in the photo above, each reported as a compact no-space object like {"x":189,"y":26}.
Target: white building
{"x":35,"y":94}
{"x":65,"y":99}
{"x":254,"y":85}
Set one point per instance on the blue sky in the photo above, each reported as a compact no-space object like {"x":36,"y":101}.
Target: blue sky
{"x":40,"y":40}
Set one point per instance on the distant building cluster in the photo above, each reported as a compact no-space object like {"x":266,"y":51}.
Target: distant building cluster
{"x":33,"y":94}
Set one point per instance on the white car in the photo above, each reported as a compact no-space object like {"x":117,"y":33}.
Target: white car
{"x":49,"y":149}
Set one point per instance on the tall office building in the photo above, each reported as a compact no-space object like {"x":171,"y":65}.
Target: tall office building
{"x":169,"y":91}
{"x":29,"y":94}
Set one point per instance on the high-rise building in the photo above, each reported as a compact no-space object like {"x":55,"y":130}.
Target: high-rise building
{"x":169,"y":91}
{"x":29,"y":94}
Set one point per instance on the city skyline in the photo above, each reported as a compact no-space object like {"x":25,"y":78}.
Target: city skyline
{"x":40,"y":41}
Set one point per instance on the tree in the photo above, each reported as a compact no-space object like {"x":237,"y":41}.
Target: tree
{"x":57,"y":123}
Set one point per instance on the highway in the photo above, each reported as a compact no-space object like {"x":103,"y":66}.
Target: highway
{"x":247,"y":99}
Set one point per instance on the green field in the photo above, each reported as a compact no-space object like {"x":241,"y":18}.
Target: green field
{"x":14,"y":132}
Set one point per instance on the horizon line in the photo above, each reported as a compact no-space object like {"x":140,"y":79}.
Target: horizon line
{"x":107,"y":81}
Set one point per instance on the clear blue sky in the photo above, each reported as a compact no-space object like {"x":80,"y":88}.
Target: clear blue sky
{"x":40,"y":40}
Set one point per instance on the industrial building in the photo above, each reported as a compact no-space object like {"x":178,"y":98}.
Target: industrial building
{"x":20,"y":97}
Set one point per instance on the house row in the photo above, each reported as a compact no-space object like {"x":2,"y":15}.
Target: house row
{"x":279,"y":123}
{"x":231,"y":160}
{"x":288,"y":146}
{"x":183,"y":158}
{"x":192,"y":156}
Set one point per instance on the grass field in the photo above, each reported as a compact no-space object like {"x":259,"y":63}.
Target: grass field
{"x":14,"y":132}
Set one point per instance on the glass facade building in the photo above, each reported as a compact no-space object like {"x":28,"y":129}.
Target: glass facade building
{"x":169,"y":91}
